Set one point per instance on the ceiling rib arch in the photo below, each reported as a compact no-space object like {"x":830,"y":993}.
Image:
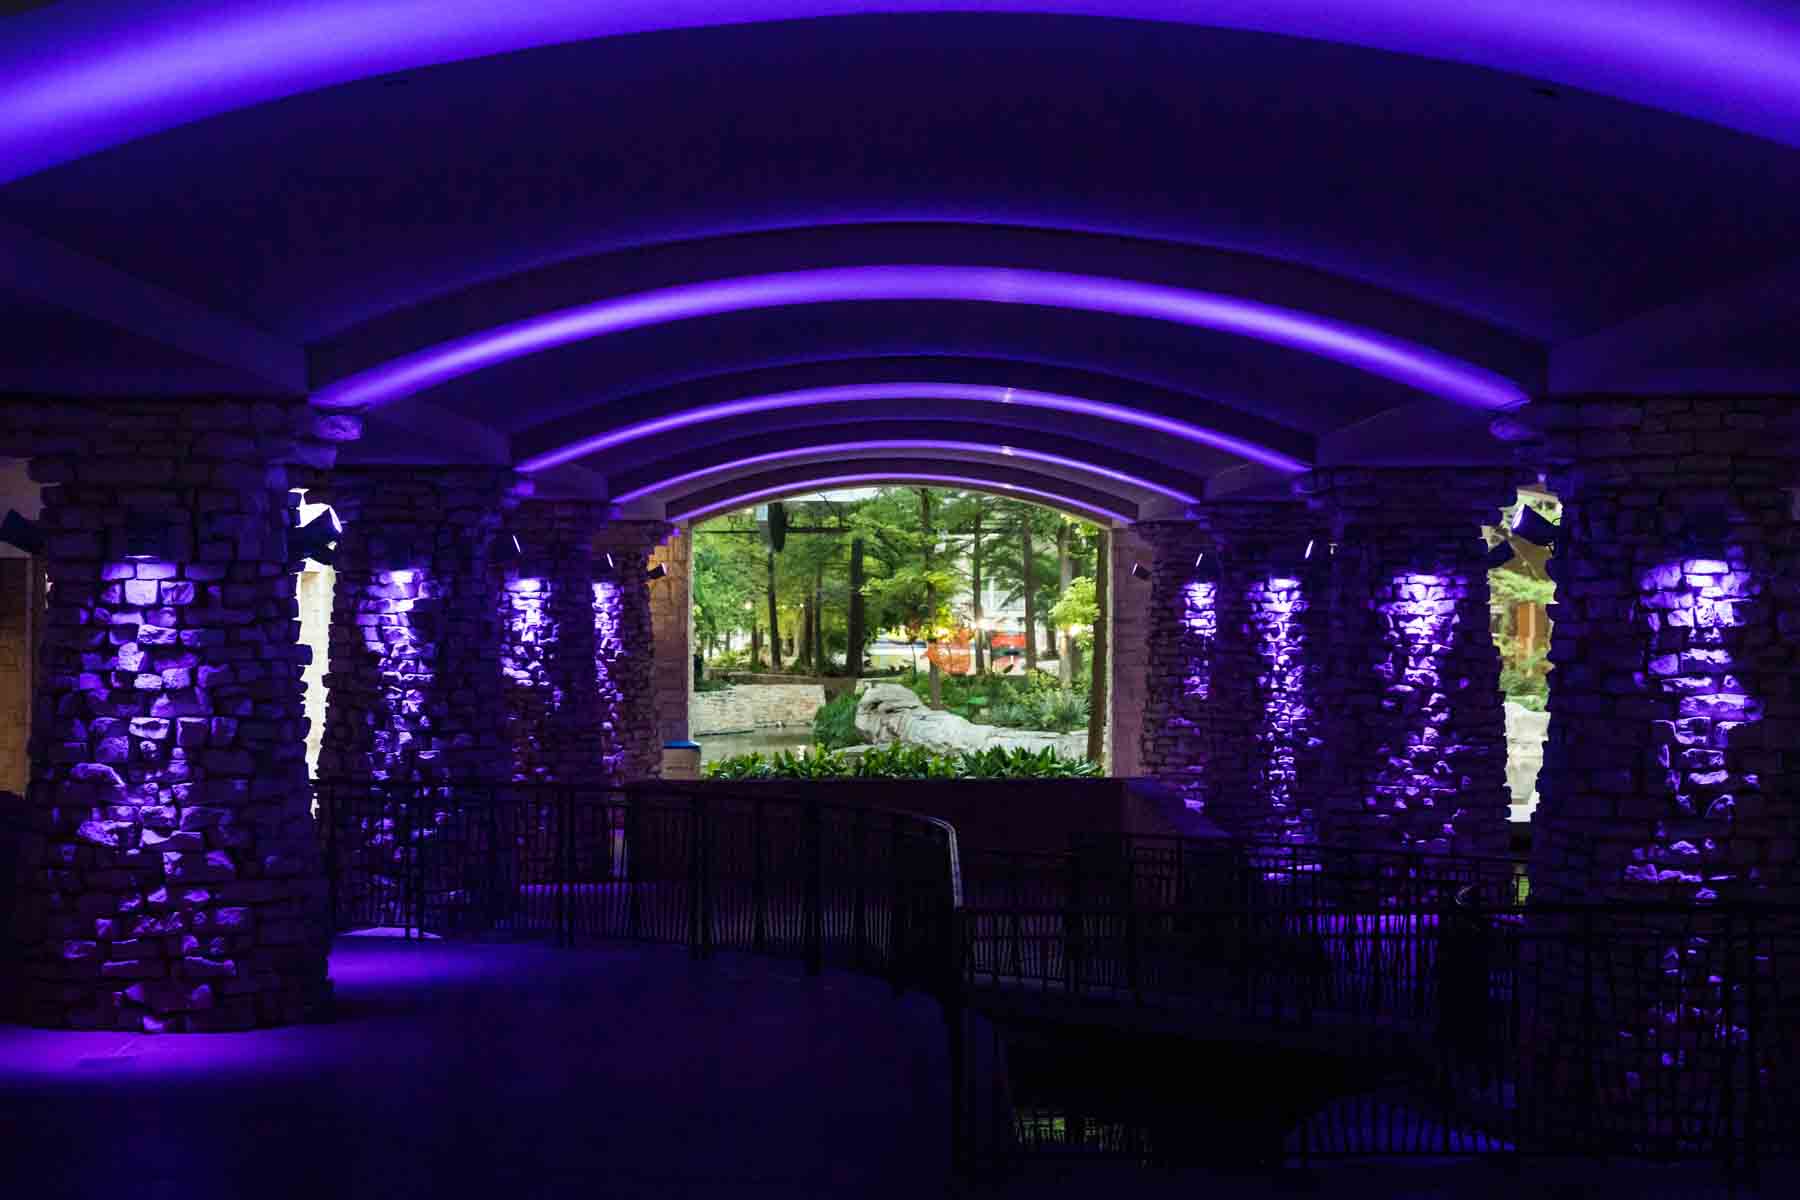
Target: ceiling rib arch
{"x":749,"y":453}
{"x":982,"y":394}
{"x":1017,"y":483}
{"x":95,"y":77}
{"x":1407,"y":363}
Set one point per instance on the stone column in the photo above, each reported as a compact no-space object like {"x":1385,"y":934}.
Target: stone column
{"x":554,"y":714}
{"x":1416,"y":730}
{"x":672,"y":624}
{"x":1673,"y":756}
{"x":624,"y":646}
{"x":415,"y":678}
{"x":1182,"y":628}
{"x":1128,"y":603}
{"x":1233,"y":706}
{"x":174,"y":878}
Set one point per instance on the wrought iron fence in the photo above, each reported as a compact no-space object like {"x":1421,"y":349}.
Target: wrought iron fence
{"x":870,"y":890}
{"x":1488,"y":1024}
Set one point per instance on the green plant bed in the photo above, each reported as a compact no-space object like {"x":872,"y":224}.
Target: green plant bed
{"x":901,"y":761}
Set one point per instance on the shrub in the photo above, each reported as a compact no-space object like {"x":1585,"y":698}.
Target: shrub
{"x":834,"y":725}
{"x":899,"y":760}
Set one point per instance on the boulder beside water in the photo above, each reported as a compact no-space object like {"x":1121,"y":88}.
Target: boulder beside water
{"x":891,"y":712}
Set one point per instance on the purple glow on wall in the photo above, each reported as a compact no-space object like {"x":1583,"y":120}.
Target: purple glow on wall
{"x":82,"y":80}
{"x":905,"y":444}
{"x":1421,"y":617}
{"x":881,"y":393}
{"x":972,"y":479}
{"x":1277,"y":608}
{"x":609,"y":648}
{"x":1691,"y":608}
{"x":1200,"y":621}
{"x":1392,"y":358}
{"x":532,"y":693}
{"x":407,"y":673}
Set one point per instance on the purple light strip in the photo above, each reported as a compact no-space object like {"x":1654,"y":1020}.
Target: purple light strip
{"x":825,"y":483}
{"x":80,"y":77}
{"x":1392,"y":358}
{"x":975,"y":393}
{"x":901,"y":444}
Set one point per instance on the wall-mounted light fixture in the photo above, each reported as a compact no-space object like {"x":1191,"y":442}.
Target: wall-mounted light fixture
{"x":144,"y":537}
{"x":657,"y":572}
{"x":506,"y":548}
{"x":1139,"y":571}
{"x":1499,"y":555}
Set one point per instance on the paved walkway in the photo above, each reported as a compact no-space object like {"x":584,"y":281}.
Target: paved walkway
{"x":502,"y":1071}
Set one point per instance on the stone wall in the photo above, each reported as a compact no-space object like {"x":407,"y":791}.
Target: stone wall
{"x":20,"y":593}
{"x":671,"y":622}
{"x":1674,"y":747}
{"x":745,"y":707}
{"x":1129,"y":652}
{"x":414,"y":678}
{"x":625,"y":642}
{"x":173,"y":879}
{"x":555,"y":717}
{"x":1415,"y":737}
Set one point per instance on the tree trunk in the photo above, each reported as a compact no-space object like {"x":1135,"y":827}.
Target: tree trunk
{"x":818,"y":619}
{"x":853,"y":652}
{"x":937,"y":681}
{"x":755,"y":646}
{"x":975,"y":606}
{"x":774,"y":619}
{"x":1097,"y":692}
{"x":1030,"y":584}
{"x":807,"y":618}
{"x":1065,"y":642}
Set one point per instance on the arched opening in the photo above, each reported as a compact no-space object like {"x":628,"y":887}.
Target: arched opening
{"x":936,"y":613}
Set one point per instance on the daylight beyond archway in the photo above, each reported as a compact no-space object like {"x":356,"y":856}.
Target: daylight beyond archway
{"x":898,"y":631}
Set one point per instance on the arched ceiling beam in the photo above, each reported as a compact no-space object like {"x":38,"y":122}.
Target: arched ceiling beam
{"x":82,"y":75}
{"x":891,"y":392}
{"x":900,"y":439}
{"x":1409,"y":364}
{"x":825,"y":476}
{"x":980,"y":381}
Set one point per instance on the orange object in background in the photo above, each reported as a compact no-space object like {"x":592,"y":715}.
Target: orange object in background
{"x":953,"y":656}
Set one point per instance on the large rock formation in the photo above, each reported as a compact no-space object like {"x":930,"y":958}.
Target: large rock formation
{"x":889,"y":712}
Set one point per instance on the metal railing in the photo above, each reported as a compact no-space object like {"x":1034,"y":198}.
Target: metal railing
{"x":866,"y":889}
{"x":1482,"y":1022}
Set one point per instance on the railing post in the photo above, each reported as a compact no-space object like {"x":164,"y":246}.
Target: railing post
{"x":696,"y":875}
{"x":899,"y":952}
{"x":1753,"y":1071}
{"x":1588,"y":1020}
{"x":1728,"y":1089}
{"x":814,"y":919}
{"x":858,"y":931}
{"x":1072,"y":930}
{"x":634,"y":853}
{"x":566,"y":798}
{"x":759,"y":895}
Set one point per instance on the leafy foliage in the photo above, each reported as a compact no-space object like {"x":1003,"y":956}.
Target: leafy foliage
{"x":834,"y":725}
{"x":901,"y":761}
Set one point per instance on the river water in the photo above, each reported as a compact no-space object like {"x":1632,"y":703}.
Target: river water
{"x":715,"y":746}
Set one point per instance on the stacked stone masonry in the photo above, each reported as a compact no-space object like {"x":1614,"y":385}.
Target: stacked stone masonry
{"x":554,"y":711}
{"x":1243,"y":712}
{"x":1674,"y":745}
{"x":170,"y":877}
{"x":415,"y":672}
{"x":1415,"y":731}
{"x":623,"y":646}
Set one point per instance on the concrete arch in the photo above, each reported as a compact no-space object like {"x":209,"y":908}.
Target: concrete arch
{"x":1141,"y":479}
{"x":1076,"y":499}
{"x":84,"y":77}
{"x":1409,"y":364}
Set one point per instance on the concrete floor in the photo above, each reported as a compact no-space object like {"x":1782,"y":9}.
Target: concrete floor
{"x":516,"y":1071}
{"x":526,"y":1071}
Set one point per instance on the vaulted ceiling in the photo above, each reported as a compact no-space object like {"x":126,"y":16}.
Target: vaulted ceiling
{"x":1121,"y":255}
